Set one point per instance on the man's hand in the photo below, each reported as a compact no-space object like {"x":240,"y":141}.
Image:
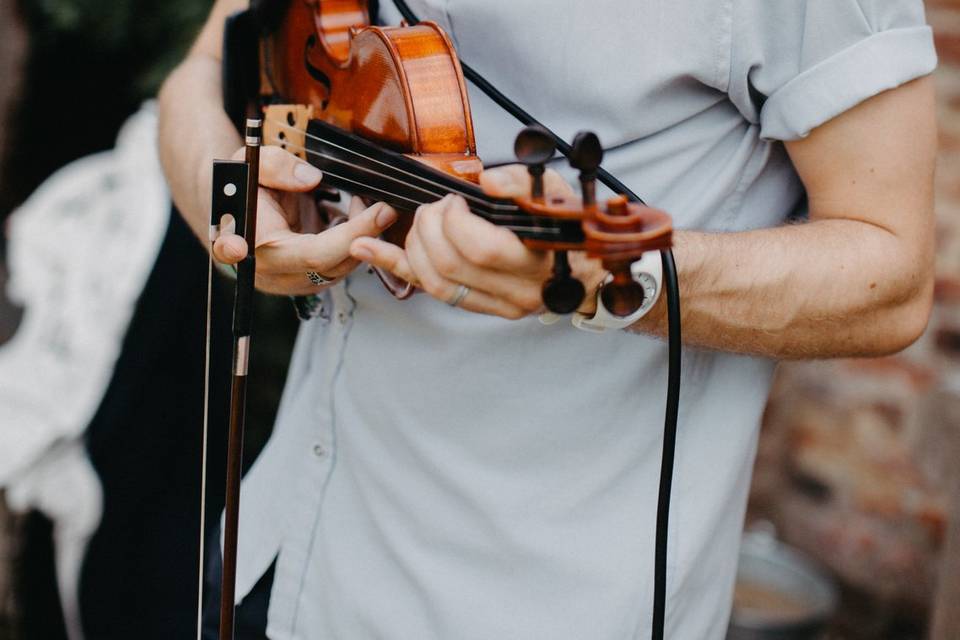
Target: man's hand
{"x":449,"y":246}
{"x":194,"y":130}
{"x":290,"y":239}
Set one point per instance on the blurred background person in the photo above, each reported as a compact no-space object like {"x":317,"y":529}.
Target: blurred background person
{"x":101,"y":383}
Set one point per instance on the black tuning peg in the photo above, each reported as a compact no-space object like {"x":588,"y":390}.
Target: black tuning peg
{"x":586,"y":156}
{"x":535,"y":147}
{"x":562,"y":293}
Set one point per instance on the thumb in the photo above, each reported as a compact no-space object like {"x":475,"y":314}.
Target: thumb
{"x":229,"y":249}
{"x":280,"y":169}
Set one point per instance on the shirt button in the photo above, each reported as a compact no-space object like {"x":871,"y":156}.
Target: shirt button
{"x":319,"y":450}
{"x":342,"y":317}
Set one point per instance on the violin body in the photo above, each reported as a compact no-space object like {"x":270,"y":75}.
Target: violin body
{"x":400,"y":87}
{"x":384,"y":113}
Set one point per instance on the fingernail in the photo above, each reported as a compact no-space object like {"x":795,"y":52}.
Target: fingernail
{"x":307,"y":173}
{"x":385,"y":217}
{"x":361,"y":253}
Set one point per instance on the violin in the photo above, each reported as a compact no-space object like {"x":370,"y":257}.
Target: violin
{"x":384,"y":113}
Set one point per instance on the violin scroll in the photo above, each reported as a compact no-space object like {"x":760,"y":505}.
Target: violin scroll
{"x":617,"y":233}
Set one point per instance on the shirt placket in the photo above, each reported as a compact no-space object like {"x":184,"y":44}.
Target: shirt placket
{"x":318,"y":443}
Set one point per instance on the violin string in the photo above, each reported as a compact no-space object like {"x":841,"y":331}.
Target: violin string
{"x":533,"y":228}
{"x":511,"y":227}
{"x":500,"y":219}
{"x":432,"y":194}
{"x":443,"y":188}
{"x":522,"y":222}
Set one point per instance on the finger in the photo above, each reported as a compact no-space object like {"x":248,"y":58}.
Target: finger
{"x":286,"y":284}
{"x":272,"y":217}
{"x":300,"y":283}
{"x":481,"y":302}
{"x":447,"y":261}
{"x":356,"y":207}
{"x":341,"y":269}
{"x":372,"y":221}
{"x":489,"y":246}
{"x":285,"y":203}
{"x":228,"y":224}
{"x":446,"y":290}
{"x":229,"y":249}
{"x":280,"y":169}
{"x":384,"y":255}
{"x":554,"y":185}
{"x":514,"y":181}
{"x":295,"y":252}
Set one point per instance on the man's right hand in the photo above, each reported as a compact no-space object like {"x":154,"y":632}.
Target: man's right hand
{"x":290,"y":240}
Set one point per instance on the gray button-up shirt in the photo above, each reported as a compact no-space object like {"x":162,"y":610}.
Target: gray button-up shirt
{"x":436,"y":474}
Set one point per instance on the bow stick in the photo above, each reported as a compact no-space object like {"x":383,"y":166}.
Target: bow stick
{"x":235,"y":186}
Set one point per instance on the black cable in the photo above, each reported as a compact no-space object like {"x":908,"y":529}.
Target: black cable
{"x":669,"y":443}
{"x":673,"y":336}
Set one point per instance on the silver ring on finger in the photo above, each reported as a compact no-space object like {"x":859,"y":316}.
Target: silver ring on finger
{"x":318,"y":279}
{"x":458,"y":295}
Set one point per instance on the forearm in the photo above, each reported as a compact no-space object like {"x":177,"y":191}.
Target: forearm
{"x":193,"y":131}
{"x":826,"y":288}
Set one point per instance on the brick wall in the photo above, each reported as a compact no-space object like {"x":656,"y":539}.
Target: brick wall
{"x":858,"y":459}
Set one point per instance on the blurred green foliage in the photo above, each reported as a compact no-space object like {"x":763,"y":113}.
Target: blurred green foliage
{"x":154,"y":32}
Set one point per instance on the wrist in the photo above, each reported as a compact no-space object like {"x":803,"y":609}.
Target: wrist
{"x":689,"y":261}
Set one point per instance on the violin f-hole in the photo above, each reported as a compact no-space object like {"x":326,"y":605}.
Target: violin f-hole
{"x":309,"y":46}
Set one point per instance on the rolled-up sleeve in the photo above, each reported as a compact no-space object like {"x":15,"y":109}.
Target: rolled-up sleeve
{"x":796,"y":65}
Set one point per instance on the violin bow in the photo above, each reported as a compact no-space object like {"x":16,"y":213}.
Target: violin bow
{"x":235,"y":187}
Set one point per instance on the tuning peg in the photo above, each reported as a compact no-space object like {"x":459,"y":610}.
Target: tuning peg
{"x":535,"y":147}
{"x":562,"y":293}
{"x":586,"y":156}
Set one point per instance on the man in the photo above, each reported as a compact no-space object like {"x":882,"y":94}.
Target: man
{"x":468,"y":472}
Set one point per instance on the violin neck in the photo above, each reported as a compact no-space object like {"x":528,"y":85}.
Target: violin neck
{"x":365,"y":169}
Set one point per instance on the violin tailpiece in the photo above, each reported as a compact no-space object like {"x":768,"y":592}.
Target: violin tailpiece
{"x":285,"y":126}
